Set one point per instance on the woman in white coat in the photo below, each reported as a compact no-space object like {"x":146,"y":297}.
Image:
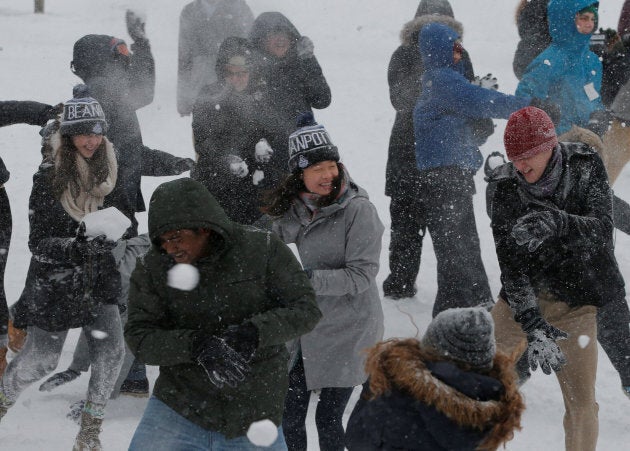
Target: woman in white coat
{"x":338,"y":235}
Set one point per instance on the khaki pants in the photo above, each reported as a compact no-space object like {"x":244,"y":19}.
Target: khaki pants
{"x":577,"y":377}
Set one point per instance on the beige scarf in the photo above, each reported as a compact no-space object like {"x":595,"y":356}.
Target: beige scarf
{"x":89,"y":200}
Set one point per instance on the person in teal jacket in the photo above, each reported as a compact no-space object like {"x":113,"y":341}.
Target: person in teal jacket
{"x":567,"y":72}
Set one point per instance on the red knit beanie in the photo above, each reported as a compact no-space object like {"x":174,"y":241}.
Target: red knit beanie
{"x":529,"y":131}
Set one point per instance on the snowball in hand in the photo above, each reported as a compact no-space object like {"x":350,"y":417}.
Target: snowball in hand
{"x":262,"y":433}
{"x":183,"y":277}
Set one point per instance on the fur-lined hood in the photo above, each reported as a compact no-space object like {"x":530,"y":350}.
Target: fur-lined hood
{"x":409,"y":32}
{"x":403,"y":364}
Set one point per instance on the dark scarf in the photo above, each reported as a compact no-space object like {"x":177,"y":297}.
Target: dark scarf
{"x":548,"y":183}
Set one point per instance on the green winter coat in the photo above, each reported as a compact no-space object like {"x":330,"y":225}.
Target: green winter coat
{"x":252,"y":276}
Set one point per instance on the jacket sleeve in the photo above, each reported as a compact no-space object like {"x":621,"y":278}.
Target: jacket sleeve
{"x":157,"y":163}
{"x":404,"y":85}
{"x":362,"y":254}
{"x":594,"y":228}
{"x":472,"y":102}
{"x":536,"y":81}
{"x":149,"y":332}
{"x":141,"y":75}
{"x":23,"y":112}
{"x":185,"y":63}
{"x":314,"y":86}
{"x":288,"y":287}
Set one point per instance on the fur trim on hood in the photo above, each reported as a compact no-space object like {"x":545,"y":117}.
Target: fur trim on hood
{"x":409,"y":33}
{"x":402,"y":363}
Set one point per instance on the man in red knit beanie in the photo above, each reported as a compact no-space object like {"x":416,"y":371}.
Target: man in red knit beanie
{"x":552,"y":226}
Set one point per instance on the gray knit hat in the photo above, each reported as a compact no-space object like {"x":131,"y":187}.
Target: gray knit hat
{"x":82,"y":115}
{"x":465,"y":335}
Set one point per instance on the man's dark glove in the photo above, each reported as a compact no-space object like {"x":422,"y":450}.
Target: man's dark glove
{"x":91,"y":247}
{"x":243,"y":339}
{"x":135,"y":26}
{"x":220,"y":361}
{"x":50,"y":112}
{"x":542,"y":348}
{"x":599,"y":122}
{"x":488,"y":81}
{"x":535,"y":227}
{"x":493,"y":161}
{"x":552,"y":110}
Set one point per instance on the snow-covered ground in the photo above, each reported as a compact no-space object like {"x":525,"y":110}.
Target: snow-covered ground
{"x":354,"y":40}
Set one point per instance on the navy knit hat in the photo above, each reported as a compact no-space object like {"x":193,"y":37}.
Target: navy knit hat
{"x":310,"y":144}
{"x":465,"y":335}
{"x":82,"y":115}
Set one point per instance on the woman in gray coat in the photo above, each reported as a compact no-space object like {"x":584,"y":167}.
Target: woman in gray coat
{"x":338,"y":235}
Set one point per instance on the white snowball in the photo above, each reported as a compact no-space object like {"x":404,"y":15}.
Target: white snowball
{"x":583,"y":341}
{"x":183,"y":277}
{"x":262,"y":433}
{"x":99,"y":334}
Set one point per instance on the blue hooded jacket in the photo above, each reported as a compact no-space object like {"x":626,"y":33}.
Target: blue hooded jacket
{"x":567,"y":72}
{"x":448,"y":100}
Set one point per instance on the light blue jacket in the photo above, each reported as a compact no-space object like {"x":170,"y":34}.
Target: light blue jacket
{"x":448,"y":101}
{"x":567,"y":72}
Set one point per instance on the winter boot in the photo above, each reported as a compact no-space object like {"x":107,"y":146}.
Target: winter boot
{"x":87,"y":439}
{"x":138,"y":388}
{"x":58,"y":379}
{"x":3,"y":360}
{"x":5,"y":404}
{"x":17,"y":337}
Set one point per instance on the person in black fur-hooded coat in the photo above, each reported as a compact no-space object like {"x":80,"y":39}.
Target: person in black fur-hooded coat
{"x":448,"y":391}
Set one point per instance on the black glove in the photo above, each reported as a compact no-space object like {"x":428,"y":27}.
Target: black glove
{"x":135,"y":26}
{"x":599,"y":122}
{"x":493,"y":161}
{"x":91,"y":247}
{"x":552,"y":110}
{"x":221,"y":362}
{"x":243,"y":339}
{"x":488,"y":81}
{"x":535,"y":227}
{"x":50,"y":112}
{"x":542,"y":348}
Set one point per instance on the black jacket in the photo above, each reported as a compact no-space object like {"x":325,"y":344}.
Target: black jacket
{"x":292,"y":85}
{"x":404,"y":77}
{"x":533,"y":29}
{"x":121,"y":90}
{"x":580,"y":267}
{"x":61,"y":293}
{"x":21,"y":112}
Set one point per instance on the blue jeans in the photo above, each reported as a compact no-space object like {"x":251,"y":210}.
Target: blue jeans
{"x":163,"y":429}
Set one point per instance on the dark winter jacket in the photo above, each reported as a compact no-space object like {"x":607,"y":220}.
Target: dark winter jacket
{"x":202,"y":29}
{"x":533,"y":29}
{"x":226,"y":123}
{"x":444,"y":137}
{"x":623,"y":26}
{"x":404,"y":78}
{"x":578,"y":268}
{"x":21,"y":112}
{"x":567,"y":72}
{"x":415,"y":401}
{"x":292,"y":85}
{"x":61,"y":293}
{"x":121,"y":89}
{"x":250,"y":276}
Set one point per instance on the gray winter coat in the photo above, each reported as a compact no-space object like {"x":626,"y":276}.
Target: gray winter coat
{"x":203,"y":25}
{"x":342,"y":246}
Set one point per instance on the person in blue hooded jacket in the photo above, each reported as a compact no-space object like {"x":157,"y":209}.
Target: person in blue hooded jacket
{"x":567,"y":72}
{"x":447,"y":157}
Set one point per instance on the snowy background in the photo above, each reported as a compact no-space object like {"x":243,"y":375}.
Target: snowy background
{"x":354,"y":40}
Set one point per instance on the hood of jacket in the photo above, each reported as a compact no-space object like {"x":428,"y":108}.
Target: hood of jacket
{"x":442,"y":7}
{"x":561,"y":18}
{"x":468,"y":398}
{"x":409,"y":32}
{"x":94,"y":54}
{"x":436,"y":46}
{"x":186,"y":204}
{"x":232,"y":46}
{"x":267,"y":22}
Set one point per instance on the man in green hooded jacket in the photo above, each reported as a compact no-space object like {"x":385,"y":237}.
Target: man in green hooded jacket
{"x":213,"y":303}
